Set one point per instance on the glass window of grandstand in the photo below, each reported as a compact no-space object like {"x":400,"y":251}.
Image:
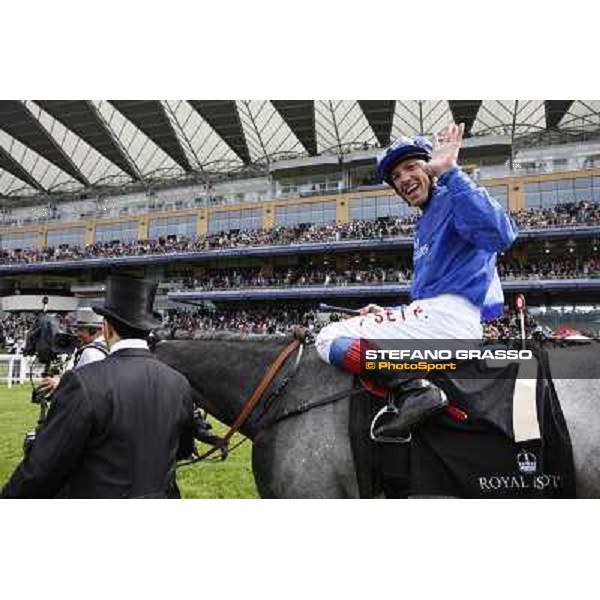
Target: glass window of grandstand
{"x":596,"y":189}
{"x":541,"y":194}
{"x":375,"y":207}
{"x":173,"y":228}
{"x":325,"y":183}
{"x":287,"y":188}
{"x":562,"y":191}
{"x":117,"y":232}
{"x":583,"y":189}
{"x":66,"y":237}
{"x":250,"y":218}
{"x":16,"y":242}
{"x":306,"y":213}
{"x":499,"y":193}
{"x":317,"y":184}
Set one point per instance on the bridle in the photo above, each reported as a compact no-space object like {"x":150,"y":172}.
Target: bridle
{"x":264,"y":384}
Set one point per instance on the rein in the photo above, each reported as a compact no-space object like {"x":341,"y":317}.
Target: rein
{"x":252,"y":401}
{"x":298,"y":410}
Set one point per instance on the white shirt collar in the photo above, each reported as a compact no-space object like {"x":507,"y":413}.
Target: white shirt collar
{"x":131,"y":343}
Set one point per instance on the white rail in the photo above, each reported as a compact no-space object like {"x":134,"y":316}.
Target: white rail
{"x":15,"y":369}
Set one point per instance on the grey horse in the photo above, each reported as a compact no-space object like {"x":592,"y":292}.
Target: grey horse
{"x":308,"y":454}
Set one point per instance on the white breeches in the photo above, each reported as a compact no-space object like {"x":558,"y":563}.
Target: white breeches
{"x":445,"y":317}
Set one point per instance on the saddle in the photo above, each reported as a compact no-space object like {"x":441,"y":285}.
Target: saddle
{"x":513,"y":442}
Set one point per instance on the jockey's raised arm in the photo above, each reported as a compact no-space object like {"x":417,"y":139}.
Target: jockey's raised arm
{"x":478,"y":218}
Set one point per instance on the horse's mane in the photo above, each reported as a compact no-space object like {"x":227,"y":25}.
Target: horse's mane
{"x":230,"y":336}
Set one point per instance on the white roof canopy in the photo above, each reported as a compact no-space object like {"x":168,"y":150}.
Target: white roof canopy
{"x":58,"y":146}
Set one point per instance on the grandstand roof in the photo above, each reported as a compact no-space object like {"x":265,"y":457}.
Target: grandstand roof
{"x":59,"y":147}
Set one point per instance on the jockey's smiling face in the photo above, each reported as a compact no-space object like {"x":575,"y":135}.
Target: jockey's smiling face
{"x":411,"y":180}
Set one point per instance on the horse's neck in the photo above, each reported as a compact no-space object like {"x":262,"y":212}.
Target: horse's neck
{"x":223,"y":373}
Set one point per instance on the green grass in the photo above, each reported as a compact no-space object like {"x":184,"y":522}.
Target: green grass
{"x":222,"y":479}
{"x":17,"y":416}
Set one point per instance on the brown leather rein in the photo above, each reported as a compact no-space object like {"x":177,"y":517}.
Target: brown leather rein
{"x":252,"y":401}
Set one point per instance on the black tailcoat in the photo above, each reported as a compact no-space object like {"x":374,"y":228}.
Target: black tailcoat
{"x":114,"y":430}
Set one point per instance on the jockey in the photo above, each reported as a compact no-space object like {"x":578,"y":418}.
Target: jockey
{"x":455,"y":283}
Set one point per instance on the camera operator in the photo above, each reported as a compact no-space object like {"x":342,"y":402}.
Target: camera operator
{"x":91,"y":346}
{"x":115,"y":428}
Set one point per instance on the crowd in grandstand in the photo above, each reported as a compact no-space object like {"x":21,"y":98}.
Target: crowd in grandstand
{"x":13,"y":331}
{"x":542,"y":268}
{"x":187,"y":324}
{"x":14,"y":327}
{"x":549,"y":268}
{"x":582,"y":213}
{"x":562,"y":215}
{"x":301,"y":234}
{"x":297,"y":276}
{"x":508,"y":327}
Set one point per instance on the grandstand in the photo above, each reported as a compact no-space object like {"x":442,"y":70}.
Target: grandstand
{"x":257,"y":205}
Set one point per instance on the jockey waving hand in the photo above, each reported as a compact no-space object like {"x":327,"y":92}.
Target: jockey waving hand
{"x":455,"y":283}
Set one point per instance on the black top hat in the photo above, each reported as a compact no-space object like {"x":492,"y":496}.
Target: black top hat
{"x":129,"y":301}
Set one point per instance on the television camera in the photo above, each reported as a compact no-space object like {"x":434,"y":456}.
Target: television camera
{"x":51,"y":346}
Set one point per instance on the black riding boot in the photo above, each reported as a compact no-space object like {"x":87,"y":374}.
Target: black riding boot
{"x":415,"y":400}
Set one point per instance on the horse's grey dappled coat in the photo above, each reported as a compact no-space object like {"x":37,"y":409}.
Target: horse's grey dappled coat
{"x":309,"y":455}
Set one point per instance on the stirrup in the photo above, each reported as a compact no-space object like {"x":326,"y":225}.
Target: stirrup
{"x":390,"y":407}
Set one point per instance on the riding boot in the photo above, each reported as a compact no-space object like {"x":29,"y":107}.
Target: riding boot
{"x":416,"y":400}
{"x":417,"y":403}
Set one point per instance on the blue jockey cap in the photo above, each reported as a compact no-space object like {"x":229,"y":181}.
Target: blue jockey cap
{"x":401,"y":149}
